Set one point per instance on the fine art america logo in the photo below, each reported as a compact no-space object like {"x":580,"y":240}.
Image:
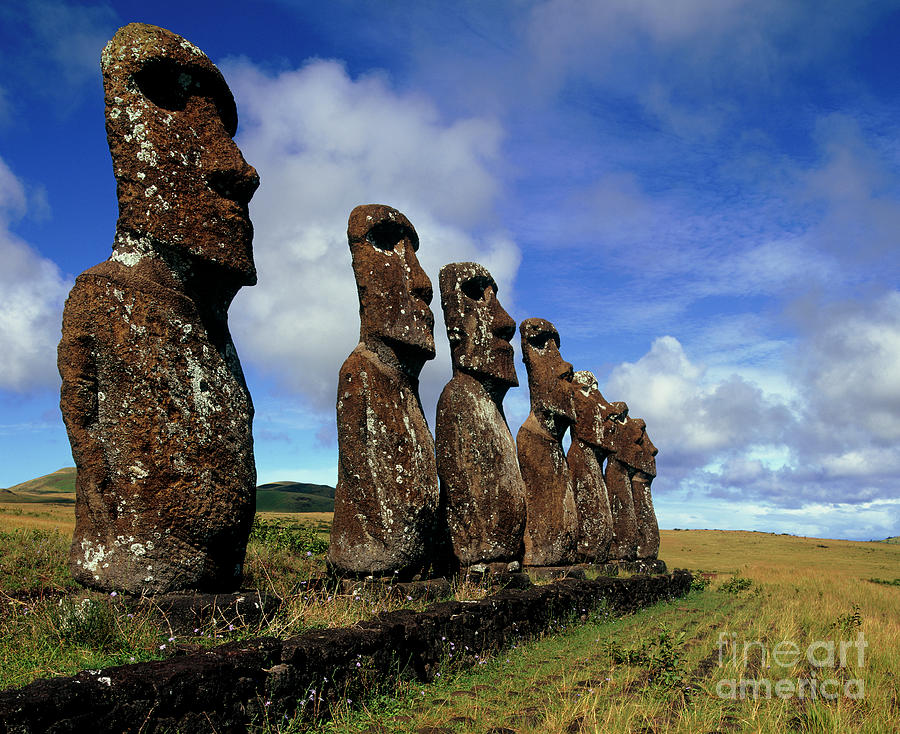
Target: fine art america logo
{"x":828,"y":661}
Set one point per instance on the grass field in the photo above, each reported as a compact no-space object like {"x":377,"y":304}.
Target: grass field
{"x":770,"y":609}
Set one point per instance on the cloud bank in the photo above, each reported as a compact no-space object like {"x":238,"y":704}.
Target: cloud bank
{"x":32,"y":291}
{"x":324,"y":142}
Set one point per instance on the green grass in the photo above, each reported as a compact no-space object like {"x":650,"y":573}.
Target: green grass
{"x":655,"y":671}
{"x":660,"y":670}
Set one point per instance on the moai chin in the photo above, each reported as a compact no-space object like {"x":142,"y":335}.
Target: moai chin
{"x":386,"y":500}
{"x":476,"y":456}
{"x":637,"y":452}
{"x":153,"y":396}
{"x":551,"y":525}
{"x":592,"y":442}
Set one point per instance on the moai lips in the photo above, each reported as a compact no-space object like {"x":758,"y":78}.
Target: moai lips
{"x":551,"y":525}
{"x":476,"y":455}
{"x":638,"y":454}
{"x":153,"y":395}
{"x":387,"y":497}
{"x":591,"y":440}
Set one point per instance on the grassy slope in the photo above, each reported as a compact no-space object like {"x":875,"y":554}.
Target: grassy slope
{"x":799,"y":592}
{"x":58,"y":488}
{"x":61,"y":481}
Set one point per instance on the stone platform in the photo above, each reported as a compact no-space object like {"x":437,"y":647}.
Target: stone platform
{"x":227,"y":688}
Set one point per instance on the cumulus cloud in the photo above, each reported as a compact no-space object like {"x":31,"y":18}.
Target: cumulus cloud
{"x":829,"y":441}
{"x":324,"y":142}
{"x":696,"y":418}
{"x":32,"y":291}
{"x":850,"y":368}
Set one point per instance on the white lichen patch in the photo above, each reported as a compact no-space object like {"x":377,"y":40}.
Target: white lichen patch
{"x":94,"y":556}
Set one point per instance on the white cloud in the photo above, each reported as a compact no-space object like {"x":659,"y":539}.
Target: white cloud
{"x":690,"y":417}
{"x":850,"y":367}
{"x":324,"y":142}
{"x":32,"y":291}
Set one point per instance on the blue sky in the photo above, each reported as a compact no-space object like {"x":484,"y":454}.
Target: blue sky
{"x":703,"y":196}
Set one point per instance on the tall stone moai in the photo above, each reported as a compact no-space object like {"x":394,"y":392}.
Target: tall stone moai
{"x":387,"y":496}
{"x":476,"y":456}
{"x":153,"y":396}
{"x":593,"y":440}
{"x":551,"y":525}
{"x":618,"y":473}
{"x":638,"y":454}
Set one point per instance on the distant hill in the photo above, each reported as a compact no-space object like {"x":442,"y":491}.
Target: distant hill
{"x":895,"y":539}
{"x":294,"y":497}
{"x":59,"y":487}
{"x":62,"y":481}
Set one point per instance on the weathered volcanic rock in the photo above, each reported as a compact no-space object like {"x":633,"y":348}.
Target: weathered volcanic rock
{"x":153,"y":395}
{"x":592,"y":441}
{"x":476,"y":456}
{"x":551,"y":525}
{"x":386,"y":499}
{"x":638,"y":453}
{"x":618,"y":488}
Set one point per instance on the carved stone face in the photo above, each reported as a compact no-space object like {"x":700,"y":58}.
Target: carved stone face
{"x":595,"y":418}
{"x":394,"y":291}
{"x":635,"y":447}
{"x":181,"y":180}
{"x":478,"y":327}
{"x":647,"y":451}
{"x":549,"y":375}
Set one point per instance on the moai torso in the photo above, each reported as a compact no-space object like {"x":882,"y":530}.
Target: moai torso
{"x":592,"y":441}
{"x":476,"y":456}
{"x":551,"y":525}
{"x":386,"y":500}
{"x":153,"y":396}
{"x":639,"y":455}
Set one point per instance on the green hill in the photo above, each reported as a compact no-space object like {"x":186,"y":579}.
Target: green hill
{"x":294,"y":497}
{"x":61,"y":481}
{"x":271,"y":497}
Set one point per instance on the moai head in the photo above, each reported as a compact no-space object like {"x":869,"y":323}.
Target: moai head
{"x":182,"y":183}
{"x":549,"y":375}
{"x":595,"y":418}
{"x":394,"y":292}
{"x":635,"y":447}
{"x":478,"y":328}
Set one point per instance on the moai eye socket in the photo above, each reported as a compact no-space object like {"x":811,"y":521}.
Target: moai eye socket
{"x":169,"y":85}
{"x":165,"y":84}
{"x":476,"y":288}
{"x":386,"y":235}
{"x":540,"y":341}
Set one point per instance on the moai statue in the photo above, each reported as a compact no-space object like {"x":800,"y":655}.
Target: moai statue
{"x":593,"y":439}
{"x":551,"y":525}
{"x":387,"y":497}
{"x":638,"y":454}
{"x":476,"y":455}
{"x":619,"y":490}
{"x":153,"y":396}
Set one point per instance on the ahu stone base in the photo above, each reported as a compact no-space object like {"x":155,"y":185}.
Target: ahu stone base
{"x":228,"y":688}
